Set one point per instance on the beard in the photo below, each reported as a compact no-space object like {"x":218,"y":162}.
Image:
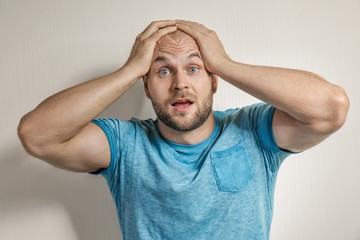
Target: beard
{"x":188,"y":121}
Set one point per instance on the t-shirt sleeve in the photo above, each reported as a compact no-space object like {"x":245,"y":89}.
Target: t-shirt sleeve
{"x":261,"y":118}
{"x":114,"y":130}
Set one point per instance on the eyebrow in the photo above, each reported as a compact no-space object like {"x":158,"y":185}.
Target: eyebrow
{"x":196,"y":54}
{"x":160,"y":59}
{"x":164,"y":59}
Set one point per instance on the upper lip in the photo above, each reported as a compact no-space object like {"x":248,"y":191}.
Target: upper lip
{"x":181,"y":100}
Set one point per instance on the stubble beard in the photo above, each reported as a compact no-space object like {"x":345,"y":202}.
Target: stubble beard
{"x":186,"y":122}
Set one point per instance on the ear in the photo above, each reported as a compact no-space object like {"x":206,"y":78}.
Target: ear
{"x":214,"y":79}
{"x":145,"y":79}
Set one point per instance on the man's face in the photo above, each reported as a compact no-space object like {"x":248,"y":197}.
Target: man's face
{"x":178,"y":84}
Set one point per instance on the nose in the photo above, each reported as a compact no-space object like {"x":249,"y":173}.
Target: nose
{"x":180,"y":81}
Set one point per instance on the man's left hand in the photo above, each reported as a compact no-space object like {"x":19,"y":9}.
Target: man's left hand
{"x":211,"y":48}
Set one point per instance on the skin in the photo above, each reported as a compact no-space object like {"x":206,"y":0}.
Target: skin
{"x":308,"y":108}
{"x":178,"y":73}
{"x":59,"y":131}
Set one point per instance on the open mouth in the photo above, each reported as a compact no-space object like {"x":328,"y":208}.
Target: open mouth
{"x":182,"y":103}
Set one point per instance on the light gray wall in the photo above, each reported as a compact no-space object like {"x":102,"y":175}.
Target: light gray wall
{"x":48,"y":45}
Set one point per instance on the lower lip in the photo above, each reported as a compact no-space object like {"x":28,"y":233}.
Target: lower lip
{"x":182,"y":108}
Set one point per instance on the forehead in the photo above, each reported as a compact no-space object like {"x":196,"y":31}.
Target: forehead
{"x":176,"y":44}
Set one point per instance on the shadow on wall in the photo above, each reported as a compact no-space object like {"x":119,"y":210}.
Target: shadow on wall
{"x":50,"y":203}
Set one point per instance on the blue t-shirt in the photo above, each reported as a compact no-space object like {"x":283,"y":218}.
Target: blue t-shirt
{"x":221,"y":188}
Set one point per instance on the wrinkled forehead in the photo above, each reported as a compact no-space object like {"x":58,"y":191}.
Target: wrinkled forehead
{"x":175,"y":43}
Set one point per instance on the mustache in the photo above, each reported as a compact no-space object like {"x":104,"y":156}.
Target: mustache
{"x":182,"y":94}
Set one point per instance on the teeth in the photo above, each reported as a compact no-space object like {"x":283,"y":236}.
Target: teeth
{"x":182,"y":101}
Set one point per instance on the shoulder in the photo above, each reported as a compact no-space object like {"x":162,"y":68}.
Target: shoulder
{"x":127,"y":131}
{"x":251,"y":125}
{"x":245,"y":114}
{"x":115,"y":123}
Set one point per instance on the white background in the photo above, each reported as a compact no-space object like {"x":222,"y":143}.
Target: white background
{"x":48,"y":45}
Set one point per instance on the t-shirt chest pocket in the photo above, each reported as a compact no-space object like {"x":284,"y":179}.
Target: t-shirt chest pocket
{"x":232,"y":168}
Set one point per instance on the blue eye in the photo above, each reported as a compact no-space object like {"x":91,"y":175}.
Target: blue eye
{"x":164,"y":72}
{"x":193,"y":69}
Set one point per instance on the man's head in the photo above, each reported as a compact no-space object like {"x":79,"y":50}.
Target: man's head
{"x":178,"y":84}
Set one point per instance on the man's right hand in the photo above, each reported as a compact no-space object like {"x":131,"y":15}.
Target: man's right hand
{"x":142,"y":52}
{"x":60,"y":131}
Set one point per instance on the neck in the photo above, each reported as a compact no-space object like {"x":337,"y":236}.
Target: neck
{"x":189,"y":137}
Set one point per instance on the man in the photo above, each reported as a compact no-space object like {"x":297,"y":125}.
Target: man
{"x":192,"y":173}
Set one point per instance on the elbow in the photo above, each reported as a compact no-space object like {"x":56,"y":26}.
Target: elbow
{"x":27,"y":137}
{"x":339,"y":109}
{"x":24,"y":135}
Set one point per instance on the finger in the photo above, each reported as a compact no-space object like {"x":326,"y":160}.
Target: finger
{"x":155,"y":26}
{"x":191,"y":27}
{"x":162,"y":32}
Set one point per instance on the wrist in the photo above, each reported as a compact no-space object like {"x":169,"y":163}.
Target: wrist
{"x":224,"y":68}
{"x":130,"y":71}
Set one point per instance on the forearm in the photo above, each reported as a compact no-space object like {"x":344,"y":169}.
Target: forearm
{"x":303,"y":95}
{"x":63,"y":115}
